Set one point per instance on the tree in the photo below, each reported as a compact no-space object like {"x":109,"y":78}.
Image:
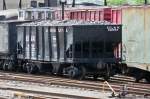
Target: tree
{"x":145,"y":1}
{"x":4,"y":5}
{"x":73,"y":3}
{"x":130,"y":2}
{"x":116,"y":2}
{"x":105,"y":2}
{"x":20,"y":4}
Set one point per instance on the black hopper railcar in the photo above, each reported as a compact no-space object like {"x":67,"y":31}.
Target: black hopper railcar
{"x":73,"y":48}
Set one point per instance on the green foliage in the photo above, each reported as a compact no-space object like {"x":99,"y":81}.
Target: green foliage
{"x":116,"y":2}
{"x":130,"y":2}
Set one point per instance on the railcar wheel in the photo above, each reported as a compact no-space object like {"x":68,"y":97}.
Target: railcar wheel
{"x":82,"y":73}
{"x":106,"y":78}
{"x":24,"y":68}
{"x":124,"y":70}
{"x":147,"y":78}
{"x":8,"y":65}
{"x":138,"y":77}
{"x":95,"y":76}
{"x":1,"y":65}
{"x":73,"y":72}
{"x":11,"y":66}
{"x":5,"y":66}
{"x":31,"y":68}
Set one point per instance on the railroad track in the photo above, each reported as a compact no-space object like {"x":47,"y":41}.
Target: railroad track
{"x":45,"y":95}
{"x":116,"y":83}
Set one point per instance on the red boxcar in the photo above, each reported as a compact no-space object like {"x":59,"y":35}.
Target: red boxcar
{"x":88,"y":14}
{"x":58,"y":14}
{"x":95,"y":14}
{"x":92,"y":14}
{"x":116,"y":15}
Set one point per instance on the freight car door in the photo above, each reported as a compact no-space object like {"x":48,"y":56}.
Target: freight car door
{"x":4,"y":38}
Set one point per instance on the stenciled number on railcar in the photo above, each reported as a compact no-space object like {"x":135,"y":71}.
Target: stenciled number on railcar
{"x":113,"y":28}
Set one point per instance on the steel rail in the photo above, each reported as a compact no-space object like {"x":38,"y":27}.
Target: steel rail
{"x":134,"y":88}
{"x":47,"y":93}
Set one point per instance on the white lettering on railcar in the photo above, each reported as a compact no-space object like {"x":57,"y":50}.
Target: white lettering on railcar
{"x":60,"y":30}
{"x":113,"y":28}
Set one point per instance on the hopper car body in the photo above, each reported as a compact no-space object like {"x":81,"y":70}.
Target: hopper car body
{"x":70,"y":47}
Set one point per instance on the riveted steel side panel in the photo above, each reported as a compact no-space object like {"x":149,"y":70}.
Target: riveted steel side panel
{"x":41,"y":43}
{"x":147,"y":35}
{"x":33,"y":43}
{"x":54,"y":45}
{"x":87,"y":37}
{"x":27,"y":40}
{"x":4,"y":38}
{"x":20,"y":35}
{"x":135,"y":36}
{"x":20,"y":42}
{"x":47,"y":48}
{"x":147,"y":38}
{"x":61,"y":43}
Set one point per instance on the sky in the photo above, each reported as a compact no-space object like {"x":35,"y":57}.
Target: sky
{"x":90,"y":1}
{"x":11,"y":4}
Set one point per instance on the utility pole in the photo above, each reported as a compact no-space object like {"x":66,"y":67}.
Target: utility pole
{"x":4,"y":5}
{"x":48,"y":3}
{"x":20,"y":4}
{"x":105,"y":2}
{"x":73,"y":3}
{"x":63,"y":2}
